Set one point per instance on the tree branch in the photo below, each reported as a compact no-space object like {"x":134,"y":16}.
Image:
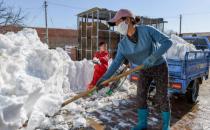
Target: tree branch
{"x":9,"y":16}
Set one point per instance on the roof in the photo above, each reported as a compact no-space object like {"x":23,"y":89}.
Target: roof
{"x":104,"y":14}
{"x":147,"y":20}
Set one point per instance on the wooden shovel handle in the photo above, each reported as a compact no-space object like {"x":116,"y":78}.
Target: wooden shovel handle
{"x":84,"y":94}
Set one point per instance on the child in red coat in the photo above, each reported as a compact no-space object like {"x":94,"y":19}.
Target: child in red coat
{"x":100,"y":60}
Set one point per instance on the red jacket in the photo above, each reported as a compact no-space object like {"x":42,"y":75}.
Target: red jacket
{"x":99,"y":69}
{"x":104,"y":58}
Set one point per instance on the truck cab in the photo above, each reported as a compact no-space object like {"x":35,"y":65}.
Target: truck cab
{"x":200,"y":42}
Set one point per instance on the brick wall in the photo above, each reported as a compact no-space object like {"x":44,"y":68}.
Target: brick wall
{"x":57,"y":37}
{"x":9,"y":28}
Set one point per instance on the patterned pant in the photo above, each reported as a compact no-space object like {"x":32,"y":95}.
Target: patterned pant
{"x":160,"y":76}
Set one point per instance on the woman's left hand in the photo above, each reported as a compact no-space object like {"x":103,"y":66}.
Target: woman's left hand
{"x":149,"y":62}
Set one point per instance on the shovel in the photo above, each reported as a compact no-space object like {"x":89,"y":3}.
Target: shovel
{"x":86,"y":93}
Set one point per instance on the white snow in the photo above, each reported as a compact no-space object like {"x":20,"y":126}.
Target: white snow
{"x":80,"y":74}
{"x":179,"y":48}
{"x":34,"y":80}
{"x":11,"y":113}
{"x":80,"y":122}
{"x":116,"y":102}
{"x":83,"y":107}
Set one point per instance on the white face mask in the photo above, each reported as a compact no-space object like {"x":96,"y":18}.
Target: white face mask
{"x":122,"y":28}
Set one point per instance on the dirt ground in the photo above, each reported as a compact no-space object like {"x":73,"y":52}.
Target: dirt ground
{"x":185,"y":116}
{"x":192,"y":117}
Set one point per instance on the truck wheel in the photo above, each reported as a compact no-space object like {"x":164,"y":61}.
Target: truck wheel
{"x":192,"y":92}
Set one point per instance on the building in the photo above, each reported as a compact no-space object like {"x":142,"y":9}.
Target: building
{"x":57,"y":37}
{"x":9,"y":28}
{"x":155,"y":22}
{"x":93,"y":28}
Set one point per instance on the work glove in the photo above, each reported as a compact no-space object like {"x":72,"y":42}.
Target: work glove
{"x":96,"y":61}
{"x":99,"y":84}
{"x":149,"y":62}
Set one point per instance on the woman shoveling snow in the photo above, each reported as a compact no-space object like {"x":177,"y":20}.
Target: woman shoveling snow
{"x":142,"y":45}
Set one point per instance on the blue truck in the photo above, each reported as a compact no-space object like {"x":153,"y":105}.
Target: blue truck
{"x":200,"y":42}
{"x":185,"y":75}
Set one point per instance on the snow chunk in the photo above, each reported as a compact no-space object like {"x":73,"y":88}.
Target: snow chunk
{"x":11,"y":113}
{"x":80,"y":122}
{"x":48,"y":104}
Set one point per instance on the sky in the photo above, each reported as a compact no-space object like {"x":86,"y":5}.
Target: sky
{"x":62,"y":13}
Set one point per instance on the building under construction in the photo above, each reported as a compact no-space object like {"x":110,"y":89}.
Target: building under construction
{"x":93,"y":28}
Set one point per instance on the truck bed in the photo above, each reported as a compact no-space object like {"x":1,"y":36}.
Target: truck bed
{"x":194,"y":65}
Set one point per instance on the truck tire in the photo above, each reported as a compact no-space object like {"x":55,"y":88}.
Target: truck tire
{"x":192,"y":92}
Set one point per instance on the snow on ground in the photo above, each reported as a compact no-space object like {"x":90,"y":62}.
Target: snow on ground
{"x":34,"y":79}
{"x":82,"y":108}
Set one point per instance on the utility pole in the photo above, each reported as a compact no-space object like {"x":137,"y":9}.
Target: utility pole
{"x":180,"y":24}
{"x":46,"y":34}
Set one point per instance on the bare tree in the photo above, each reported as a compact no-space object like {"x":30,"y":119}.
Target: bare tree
{"x":10,"y":16}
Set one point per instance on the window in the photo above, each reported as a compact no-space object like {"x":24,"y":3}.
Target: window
{"x":199,"y":43}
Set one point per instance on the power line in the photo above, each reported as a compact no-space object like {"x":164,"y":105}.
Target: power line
{"x":36,"y":16}
{"x":67,"y":6}
{"x":196,"y":13}
{"x":184,"y":14}
{"x":31,"y":8}
{"x":51,"y":20}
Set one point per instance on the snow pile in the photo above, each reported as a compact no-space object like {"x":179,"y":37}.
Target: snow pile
{"x":80,"y":74}
{"x":179,"y":48}
{"x":34,"y":79}
{"x":25,"y":61}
